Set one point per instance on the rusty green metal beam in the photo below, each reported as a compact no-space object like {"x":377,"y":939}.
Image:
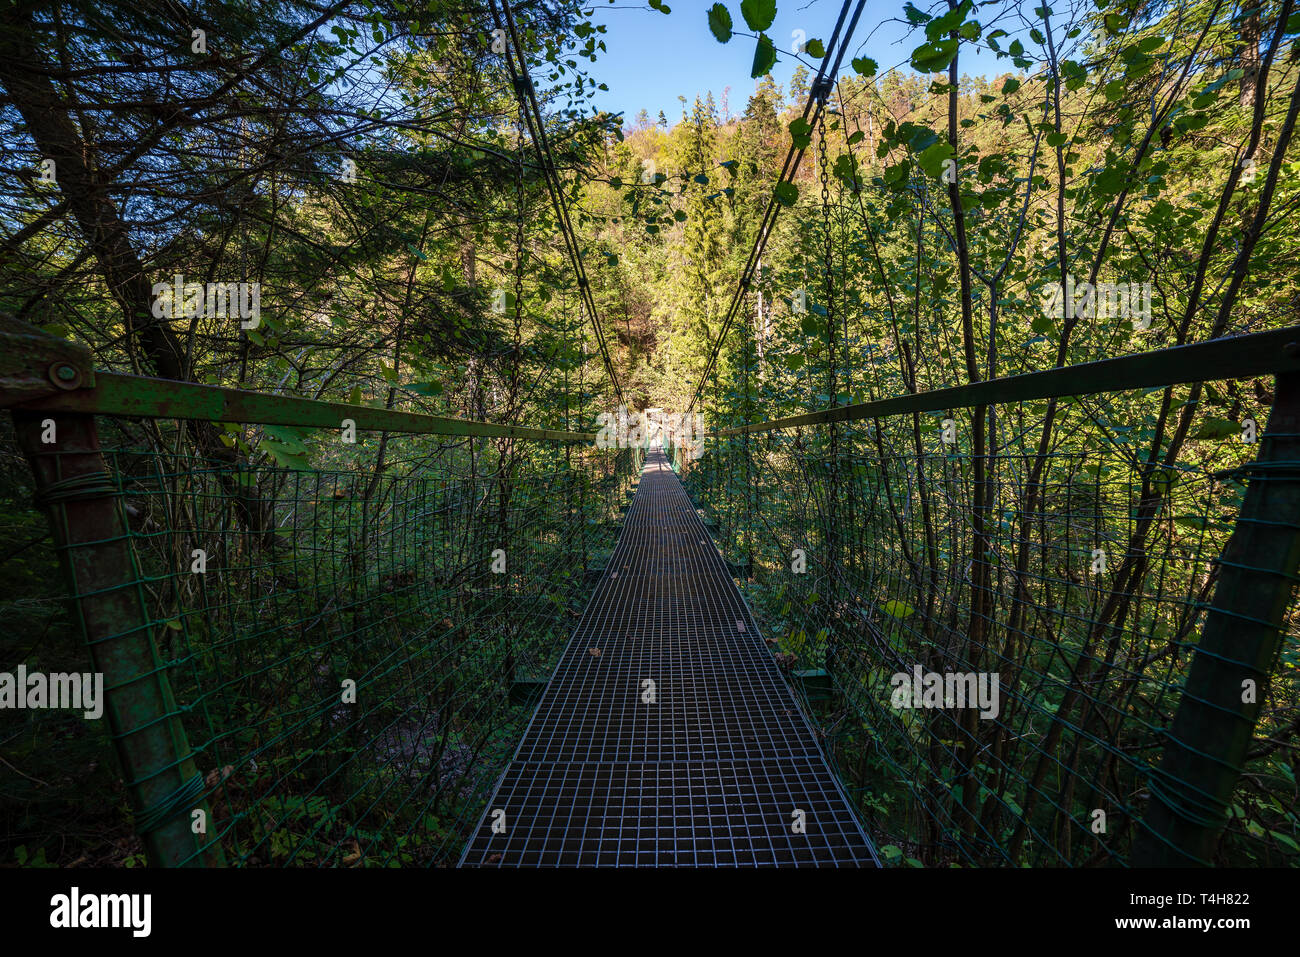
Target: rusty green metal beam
{"x":1259,"y":353}
{"x":42,"y":373}
{"x":142,"y":397}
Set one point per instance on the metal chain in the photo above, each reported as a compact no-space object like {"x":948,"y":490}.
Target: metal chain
{"x":519,"y":238}
{"x":748,"y":417}
{"x":826,"y":227}
{"x":832,"y":493}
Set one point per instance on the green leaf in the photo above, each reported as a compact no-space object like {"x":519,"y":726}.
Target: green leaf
{"x":1285,"y":839}
{"x":898,"y":172}
{"x":1110,"y":180}
{"x":800,"y":132}
{"x":1216,"y":428}
{"x":815,"y":49}
{"x":787,"y":194}
{"x":917,"y":137}
{"x":897,"y":609}
{"x":720,"y":22}
{"x":932,"y":157}
{"x":287,"y":436}
{"x":846,"y":169}
{"x":284,"y":455}
{"x":794,"y":362}
{"x":865,"y":66}
{"x":948,"y":22}
{"x":429,"y":388}
{"x":764,"y":57}
{"x":935,"y":56}
{"x":759,"y":14}
{"x":1010,"y":86}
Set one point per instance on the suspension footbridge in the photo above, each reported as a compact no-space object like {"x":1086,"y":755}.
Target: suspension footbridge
{"x":350,"y":632}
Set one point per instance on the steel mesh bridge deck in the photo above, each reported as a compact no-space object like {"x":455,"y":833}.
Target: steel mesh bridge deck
{"x":712,"y":772}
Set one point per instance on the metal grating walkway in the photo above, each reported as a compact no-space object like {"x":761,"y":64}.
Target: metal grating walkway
{"x":711,"y":773}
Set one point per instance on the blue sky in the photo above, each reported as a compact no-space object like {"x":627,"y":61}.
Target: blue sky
{"x":654,"y":58}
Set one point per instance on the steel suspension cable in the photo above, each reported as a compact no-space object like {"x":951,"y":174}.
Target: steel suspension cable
{"x":817,"y":97}
{"x":504,"y":19}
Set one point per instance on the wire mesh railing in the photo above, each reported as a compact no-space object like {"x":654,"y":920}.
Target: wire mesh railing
{"x":1064,"y":655}
{"x":1019,"y":716}
{"x":300,"y":665}
{"x":344,"y":653}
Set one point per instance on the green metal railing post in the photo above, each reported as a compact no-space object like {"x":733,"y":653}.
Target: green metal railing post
{"x":1206,"y":747}
{"x":81,"y":499}
{"x":91,"y":537}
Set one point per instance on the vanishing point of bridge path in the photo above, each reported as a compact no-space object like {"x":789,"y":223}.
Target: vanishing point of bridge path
{"x":667,"y":735}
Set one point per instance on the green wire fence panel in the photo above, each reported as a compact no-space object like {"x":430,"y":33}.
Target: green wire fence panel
{"x":1025,"y":728}
{"x":346,"y":652}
